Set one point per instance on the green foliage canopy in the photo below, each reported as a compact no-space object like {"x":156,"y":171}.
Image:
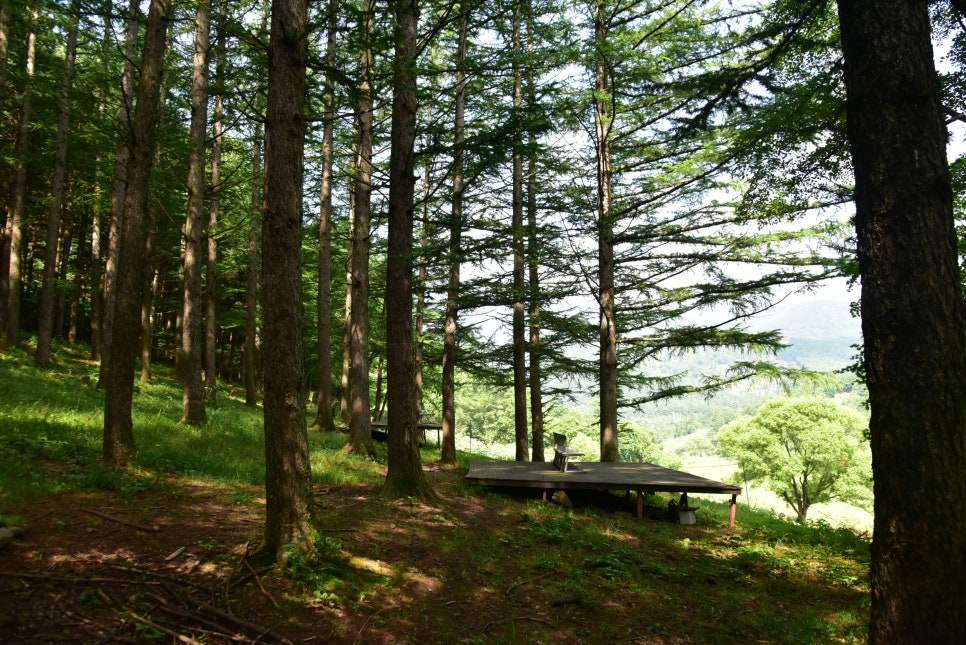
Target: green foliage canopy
{"x":806,"y":450}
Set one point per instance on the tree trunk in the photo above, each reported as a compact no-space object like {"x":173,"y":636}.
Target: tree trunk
{"x":190,"y":361}
{"x":536,"y":372}
{"x":96,"y":272}
{"x":347,"y":318}
{"x":119,"y":446}
{"x":360,"y":429}
{"x":605,"y":245}
{"x":4,"y":50}
{"x":45,"y":323}
{"x":65,"y":242}
{"x":118,"y":191}
{"x":404,"y":476}
{"x":18,"y":187}
{"x":913,"y":322}
{"x":251,"y":291}
{"x":519,"y":282}
{"x":323,"y":408}
{"x":214,"y":212}
{"x":4,"y":233}
{"x":450,"y":327}
{"x":288,"y":474}
{"x":150,"y":291}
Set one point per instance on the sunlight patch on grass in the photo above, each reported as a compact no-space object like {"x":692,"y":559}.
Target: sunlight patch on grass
{"x":372,"y":566}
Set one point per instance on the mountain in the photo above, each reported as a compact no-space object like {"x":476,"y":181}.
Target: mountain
{"x":821,"y":333}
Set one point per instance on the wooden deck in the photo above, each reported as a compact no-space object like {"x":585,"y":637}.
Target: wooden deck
{"x":639,"y":477}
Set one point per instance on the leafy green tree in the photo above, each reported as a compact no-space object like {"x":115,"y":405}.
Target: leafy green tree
{"x":640,"y":444}
{"x":807,"y":451}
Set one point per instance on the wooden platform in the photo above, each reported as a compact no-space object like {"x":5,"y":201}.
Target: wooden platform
{"x":640,"y":477}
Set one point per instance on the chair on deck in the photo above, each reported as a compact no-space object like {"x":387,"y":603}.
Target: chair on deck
{"x":563,"y":453}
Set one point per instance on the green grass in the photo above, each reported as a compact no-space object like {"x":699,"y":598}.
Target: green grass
{"x":51,"y":424}
{"x":770,"y":580}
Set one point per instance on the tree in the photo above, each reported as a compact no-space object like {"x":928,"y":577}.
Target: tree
{"x":190,"y":361}
{"x":913,"y":322}
{"x":360,"y":429}
{"x":404,"y":476}
{"x":46,"y":323}
{"x":118,"y":190}
{"x":808,"y":451}
{"x":455,"y":250}
{"x":119,"y":446}
{"x":251,"y":364}
{"x":13,"y":233}
{"x":214,"y":213}
{"x":288,"y":472}
{"x":323,"y":415}
{"x":519,"y":275}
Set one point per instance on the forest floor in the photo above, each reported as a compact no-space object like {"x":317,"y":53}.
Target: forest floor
{"x":173,"y":562}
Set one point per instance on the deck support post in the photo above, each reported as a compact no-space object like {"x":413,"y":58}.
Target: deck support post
{"x":734,"y":507}
{"x":640,"y":505}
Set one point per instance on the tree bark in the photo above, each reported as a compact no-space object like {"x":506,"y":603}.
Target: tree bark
{"x":4,"y":50}
{"x":4,"y":233}
{"x":913,"y":322}
{"x":18,"y":187}
{"x":119,"y":447}
{"x":288,"y":474}
{"x":450,"y":324}
{"x":191,"y":359}
{"x":519,"y":281}
{"x":323,"y":408}
{"x":404,"y":476}
{"x":251,"y":361}
{"x":118,"y":190}
{"x":150,"y":291}
{"x":214,"y":213}
{"x":45,"y":323}
{"x":360,"y":429}
{"x":535,"y":347}
{"x":605,"y":245}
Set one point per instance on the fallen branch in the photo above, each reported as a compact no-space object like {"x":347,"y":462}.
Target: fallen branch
{"x":258,"y":581}
{"x":145,"y":572}
{"x":241,"y":623}
{"x":512,"y":588}
{"x":164,"y":630}
{"x":531,"y":619}
{"x":49,"y":578}
{"x":149,"y":529}
{"x":179,"y":612}
{"x":366,"y":621}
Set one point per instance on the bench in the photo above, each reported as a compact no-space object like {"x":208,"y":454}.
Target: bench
{"x":563,"y":453}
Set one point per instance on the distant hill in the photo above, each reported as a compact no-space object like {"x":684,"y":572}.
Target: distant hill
{"x":821,"y":333}
{"x":815,"y":319}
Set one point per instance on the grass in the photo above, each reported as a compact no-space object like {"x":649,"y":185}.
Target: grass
{"x":507,"y":564}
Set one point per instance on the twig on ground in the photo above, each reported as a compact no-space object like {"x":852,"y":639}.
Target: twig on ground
{"x":73,"y":580}
{"x":240,"y":622}
{"x":164,"y":630}
{"x":366,"y":622}
{"x":179,"y":612}
{"x":149,"y":529}
{"x":234,"y":570}
{"x":258,"y":581}
{"x":532,"y":619}
{"x":512,"y":588}
{"x":154,"y":574}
